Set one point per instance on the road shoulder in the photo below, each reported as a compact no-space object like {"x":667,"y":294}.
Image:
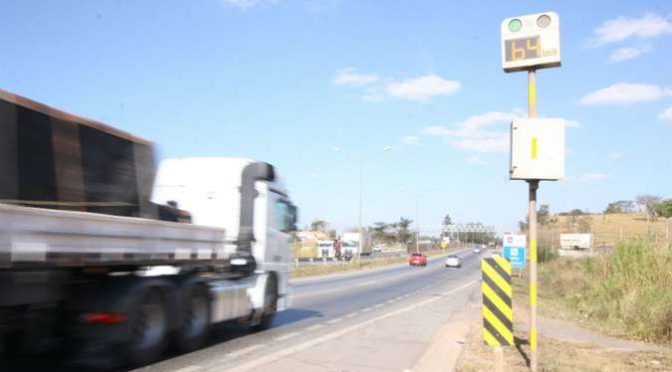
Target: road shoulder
{"x":564,"y":346}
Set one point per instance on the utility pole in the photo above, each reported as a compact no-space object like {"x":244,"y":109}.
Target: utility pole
{"x":417,"y":224}
{"x":361,"y":236}
{"x":533,"y":186}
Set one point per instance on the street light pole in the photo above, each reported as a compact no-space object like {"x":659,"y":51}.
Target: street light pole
{"x":361,"y":202}
{"x":361,"y":236}
{"x":417,"y":224}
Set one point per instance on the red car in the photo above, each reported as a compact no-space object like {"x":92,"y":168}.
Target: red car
{"x":417,"y":259}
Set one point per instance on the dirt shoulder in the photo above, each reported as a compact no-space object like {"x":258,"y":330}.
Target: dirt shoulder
{"x":564,"y":345}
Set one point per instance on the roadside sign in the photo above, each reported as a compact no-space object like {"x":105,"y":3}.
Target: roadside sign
{"x":575,"y":241}
{"x":515,"y":255}
{"x":497,"y":310}
{"x":514,"y":240}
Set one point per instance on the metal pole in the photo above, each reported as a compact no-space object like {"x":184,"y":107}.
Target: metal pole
{"x":361,"y":236}
{"x":534,"y":185}
{"x":417,"y":224}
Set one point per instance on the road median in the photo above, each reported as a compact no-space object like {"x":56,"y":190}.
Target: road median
{"x":359,"y":265}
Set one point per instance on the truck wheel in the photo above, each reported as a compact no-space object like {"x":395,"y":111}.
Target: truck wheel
{"x":148,"y":329}
{"x":194,"y":318}
{"x":270,"y":305}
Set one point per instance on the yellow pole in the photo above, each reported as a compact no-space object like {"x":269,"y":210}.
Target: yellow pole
{"x":534,"y":185}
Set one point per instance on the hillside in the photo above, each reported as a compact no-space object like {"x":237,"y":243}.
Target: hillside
{"x":607,"y":228}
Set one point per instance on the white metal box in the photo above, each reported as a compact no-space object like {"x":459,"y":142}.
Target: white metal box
{"x":537,"y":149}
{"x":530,"y":41}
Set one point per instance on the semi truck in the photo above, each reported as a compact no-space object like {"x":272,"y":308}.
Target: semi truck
{"x":112,"y":258}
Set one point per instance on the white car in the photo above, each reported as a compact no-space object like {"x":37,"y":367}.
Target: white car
{"x":453,"y":261}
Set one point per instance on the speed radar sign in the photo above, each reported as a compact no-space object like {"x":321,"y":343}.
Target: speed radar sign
{"x":531,"y":42}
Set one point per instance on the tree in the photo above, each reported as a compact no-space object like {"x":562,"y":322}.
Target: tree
{"x":403,"y":231}
{"x":522,"y":226}
{"x":621,"y":206}
{"x":543,"y":214}
{"x":381,"y":233}
{"x":447,"y":221}
{"x":651,"y":205}
{"x":543,"y":218}
{"x":665,"y":208}
{"x":318,"y":225}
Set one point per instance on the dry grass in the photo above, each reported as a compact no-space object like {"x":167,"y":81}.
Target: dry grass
{"x":559,"y":278}
{"x":627,"y":293}
{"x":557,"y":355}
{"x":607,"y":228}
{"x":308,"y":249}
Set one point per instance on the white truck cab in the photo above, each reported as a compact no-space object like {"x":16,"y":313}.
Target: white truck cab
{"x":206,"y":189}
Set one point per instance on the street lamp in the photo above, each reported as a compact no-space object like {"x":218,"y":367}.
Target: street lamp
{"x":361,"y":197}
{"x":361,"y":187}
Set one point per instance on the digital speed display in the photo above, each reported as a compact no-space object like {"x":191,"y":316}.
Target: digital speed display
{"x":530,"y":42}
{"x":522,"y":49}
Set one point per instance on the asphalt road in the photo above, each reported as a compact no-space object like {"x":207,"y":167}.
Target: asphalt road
{"x":321,"y":309}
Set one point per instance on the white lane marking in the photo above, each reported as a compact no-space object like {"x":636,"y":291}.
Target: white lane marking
{"x":334,"y":321}
{"x":189,"y":369}
{"x":335,"y":290}
{"x":366,"y":310}
{"x":287,"y":336}
{"x":377,"y":306}
{"x":352,"y":315}
{"x":262,"y":360}
{"x":315,"y":327}
{"x":245,"y":350}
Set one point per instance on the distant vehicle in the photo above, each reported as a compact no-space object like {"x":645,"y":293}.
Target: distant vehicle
{"x":326,"y":248}
{"x":453,"y":261}
{"x":348,"y":249}
{"x":354,"y":238}
{"x":477,"y":250}
{"x":377,"y":249}
{"x":417,"y":259}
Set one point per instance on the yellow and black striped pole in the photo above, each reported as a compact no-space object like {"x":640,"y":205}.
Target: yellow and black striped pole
{"x":497,"y":306}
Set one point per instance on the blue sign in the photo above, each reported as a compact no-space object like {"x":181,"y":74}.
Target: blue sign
{"x":516,"y":255}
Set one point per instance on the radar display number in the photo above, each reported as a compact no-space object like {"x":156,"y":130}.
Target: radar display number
{"x":521,"y":49}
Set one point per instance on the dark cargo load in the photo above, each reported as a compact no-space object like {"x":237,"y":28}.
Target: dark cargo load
{"x":52,"y":159}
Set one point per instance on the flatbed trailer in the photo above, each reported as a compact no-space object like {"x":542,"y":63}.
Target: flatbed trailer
{"x":112,"y":260}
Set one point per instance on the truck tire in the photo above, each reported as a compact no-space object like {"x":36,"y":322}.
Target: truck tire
{"x":148,"y":328}
{"x":194,"y":318}
{"x":270,"y":305}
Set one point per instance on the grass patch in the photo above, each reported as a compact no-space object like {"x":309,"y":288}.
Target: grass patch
{"x":627,"y":293}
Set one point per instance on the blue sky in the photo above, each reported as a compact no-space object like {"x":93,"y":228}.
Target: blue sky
{"x":293,"y":81}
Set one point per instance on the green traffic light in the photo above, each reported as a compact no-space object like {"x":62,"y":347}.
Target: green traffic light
{"x":515,"y":25}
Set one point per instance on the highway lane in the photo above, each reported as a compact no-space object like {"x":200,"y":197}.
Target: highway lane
{"x":319,"y":305}
{"x":324,"y":305}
